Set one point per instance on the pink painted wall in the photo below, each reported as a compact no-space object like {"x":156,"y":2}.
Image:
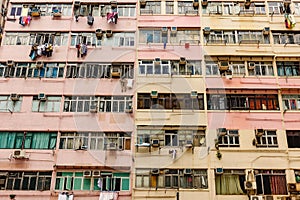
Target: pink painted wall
{"x":169,"y":21}
{"x":244,"y":120}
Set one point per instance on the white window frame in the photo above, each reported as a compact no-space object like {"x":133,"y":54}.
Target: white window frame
{"x":263,"y":141}
{"x":231,"y":139}
{"x":8,"y":105}
{"x":51,"y":104}
{"x":212,"y":69}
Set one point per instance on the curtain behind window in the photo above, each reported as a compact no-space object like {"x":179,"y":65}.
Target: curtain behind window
{"x":228,"y":184}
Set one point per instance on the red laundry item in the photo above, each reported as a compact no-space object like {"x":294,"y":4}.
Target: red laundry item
{"x":24,"y":19}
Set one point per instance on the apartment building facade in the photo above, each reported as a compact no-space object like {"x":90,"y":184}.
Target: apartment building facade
{"x":150,"y":99}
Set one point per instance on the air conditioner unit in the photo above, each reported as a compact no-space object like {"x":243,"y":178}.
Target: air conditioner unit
{"x":111,"y":146}
{"x":286,"y":2}
{"x":219,"y":170}
{"x":154,"y":94}
{"x":164,"y":30}
{"x":194,"y":94}
{"x":155,"y":142}
{"x":294,"y":187}
{"x":206,"y":30}
{"x":223,"y":65}
{"x":182,"y":61}
{"x":129,"y":109}
{"x":76,"y":3}
{"x":259,"y":132}
{"x":187,"y":171}
{"x":247,"y":3}
{"x":266,"y":31}
{"x":173,"y":31}
{"x":113,"y":4}
{"x":19,"y":154}
{"x":96,"y":173}
{"x":204,"y":3}
{"x":250,"y":185}
{"x":143,"y":3}
{"x":14,"y":97}
{"x":256,"y":197}
{"x":157,"y":62}
{"x":196,"y":4}
{"x":116,"y":72}
{"x":251,"y":65}
{"x":39,"y":65}
{"x":87,"y":173}
{"x":99,"y":34}
{"x":222,"y":131}
{"x":155,"y":171}
{"x":189,"y":143}
{"x":93,"y":108}
{"x":42,"y":97}
{"x":228,"y":74}
{"x":10,"y":63}
{"x":269,"y":197}
{"x":109,"y":33}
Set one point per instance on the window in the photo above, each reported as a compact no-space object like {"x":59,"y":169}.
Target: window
{"x":31,"y":140}
{"x":152,"y":7}
{"x":106,"y":104}
{"x":238,"y":68}
{"x":262,"y":69}
{"x":275,"y":8}
{"x":107,"y":181}
{"x":259,"y":8}
{"x":286,"y":38}
{"x":169,"y":137}
{"x":230,"y":182}
{"x":90,"y":70}
{"x":123,"y":39}
{"x":253,"y":36}
{"x":231,"y":139}
{"x":114,"y":103}
{"x":184,"y":35}
{"x":293,"y":139}
{"x":221,"y":37}
{"x":94,"y":140}
{"x":271,"y":182}
{"x":29,"y":180}
{"x":16,"y":10}
{"x":191,"y":68}
{"x":172,"y":178}
{"x":212,"y":68}
{"x":47,"y":9}
{"x":171,"y":101}
{"x":268,"y":139}
{"x":89,"y":39}
{"x":58,"y":39}
{"x":288,"y":68}
{"x":8,"y":105}
{"x":242,"y":102}
{"x":78,"y":103}
{"x":297,"y":8}
{"x":29,"y":70}
{"x":169,"y":7}
{"x":149,"y":67}
{"x":185,"y":7}
{"x":291,"y":102}
{"x":216,"y":8}
{"x":126,"y":10}
{"x":229,"y":8}
{"x":151,"y":36}
{"x":51,"y":104}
